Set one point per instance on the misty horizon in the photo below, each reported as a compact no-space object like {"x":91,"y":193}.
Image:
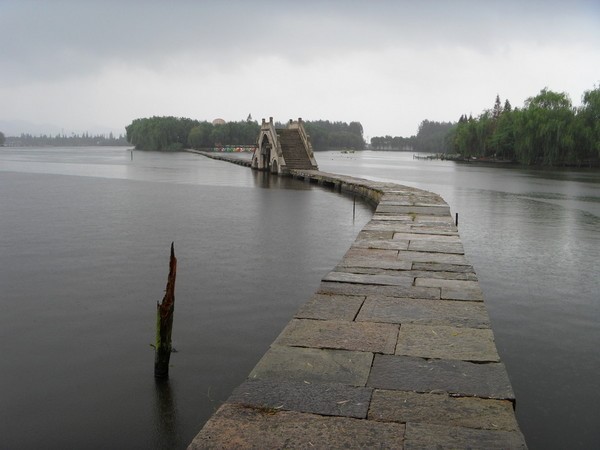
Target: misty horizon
{"x":89,"y":66}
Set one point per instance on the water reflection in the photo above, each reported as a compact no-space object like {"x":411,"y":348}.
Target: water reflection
{"x":268,"y":180}
{"x":167,"y":431}
{"x":265,"y":180}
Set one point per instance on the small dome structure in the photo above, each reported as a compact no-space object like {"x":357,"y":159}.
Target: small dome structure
{"x":218,"y":121}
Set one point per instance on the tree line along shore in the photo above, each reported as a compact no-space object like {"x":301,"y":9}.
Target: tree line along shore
{"x":63,"y":140}
{"x":546,"y":131}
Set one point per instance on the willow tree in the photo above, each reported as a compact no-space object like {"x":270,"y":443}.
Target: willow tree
{"x":589,"y":116}
{"x":549,"y":116}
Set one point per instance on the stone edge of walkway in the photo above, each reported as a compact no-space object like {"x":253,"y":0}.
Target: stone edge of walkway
{"x":394,"y":350}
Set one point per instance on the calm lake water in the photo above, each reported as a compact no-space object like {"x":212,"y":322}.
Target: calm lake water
{"x":84,"y":242}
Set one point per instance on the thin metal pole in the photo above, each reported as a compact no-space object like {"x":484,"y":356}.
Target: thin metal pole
{"x":456,"y":220}
{"x":353,"y":206}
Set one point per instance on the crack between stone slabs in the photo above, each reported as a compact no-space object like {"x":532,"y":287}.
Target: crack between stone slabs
{"x":270,"y":411}
{"x":352,"y":350}
{"x":478,"y":362}
{"x":358,"y":312}
{"x":397,"y":339}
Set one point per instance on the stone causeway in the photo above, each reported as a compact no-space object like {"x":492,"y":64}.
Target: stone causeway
{"x":394,"y":350}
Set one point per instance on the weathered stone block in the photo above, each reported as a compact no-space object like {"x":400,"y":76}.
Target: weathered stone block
{"x":467,"y":276}
{"x":388,"y":225}
{"x":397,"y":200}
{"x":393,"y":190}
{"x":445,"y":230}
{"x":331,"y":307}
{"x":377,"y":263}
{"x":427,"y":436}
{"x":444,"y":258}
{"x":445,"y":342}
{"x":408,"y":273}
{"x":318,"y":398}
{"x":407,"y":373}
{"x":442,"y":283}
{"x":357,"y":336}
{"x":375,"y":234}
{"x":327,"y":287}
{"x":434,"y":220}
{"x":377,"y":308}
{"x":388,"y":244}
{"x":239,"y":427}
{"x":426,"y":237}
{"x":385,"y":280}
{"x":439,"y":210}
{"x":430,"y":200}
{"x":373,"y":253}
{"x":436,"y":246}
{"x":313,"y":365}
{"x":365,"y":270}
{"x":442,"y":409}
{"x":439,"y":267}
{"x":406,"y":218}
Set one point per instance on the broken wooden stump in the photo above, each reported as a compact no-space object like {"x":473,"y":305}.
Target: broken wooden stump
{"x":164,"y":322}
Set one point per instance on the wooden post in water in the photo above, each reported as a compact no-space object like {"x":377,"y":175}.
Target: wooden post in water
{"x":164,"y":322}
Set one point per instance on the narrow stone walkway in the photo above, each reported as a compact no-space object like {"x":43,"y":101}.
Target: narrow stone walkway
{"x":394,"y":350}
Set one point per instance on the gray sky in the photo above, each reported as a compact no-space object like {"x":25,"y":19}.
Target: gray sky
{"x":82,"y":65}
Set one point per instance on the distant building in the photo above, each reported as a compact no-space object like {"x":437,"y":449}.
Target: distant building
{"x":218,"y":122}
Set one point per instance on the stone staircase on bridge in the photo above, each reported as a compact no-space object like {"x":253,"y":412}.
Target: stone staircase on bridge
{"x":280,"y":150}
{"x":294,"y":152}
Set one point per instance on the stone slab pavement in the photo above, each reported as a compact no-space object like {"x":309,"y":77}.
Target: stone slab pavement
{"x":394,"y":350}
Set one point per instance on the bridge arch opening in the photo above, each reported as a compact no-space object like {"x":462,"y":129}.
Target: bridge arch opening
{"x":266,"y":147}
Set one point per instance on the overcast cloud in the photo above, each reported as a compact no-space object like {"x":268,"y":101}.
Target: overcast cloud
{"x":85,"y":65}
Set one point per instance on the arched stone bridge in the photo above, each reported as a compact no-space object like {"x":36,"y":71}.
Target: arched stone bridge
{"x":282,"y":149}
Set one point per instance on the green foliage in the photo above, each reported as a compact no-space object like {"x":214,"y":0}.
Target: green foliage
{"x":62,"y":140}
{"x":160,"y":133}
{"x":2,"y":138}
{"x":547,"y":131}
{"x":172,"y":133}
{"x":199,"y":136}
{"x":326,"y":135}
{"x":393,"y":143}
{"x":590,"y":122}
{"x":432,"y":137}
